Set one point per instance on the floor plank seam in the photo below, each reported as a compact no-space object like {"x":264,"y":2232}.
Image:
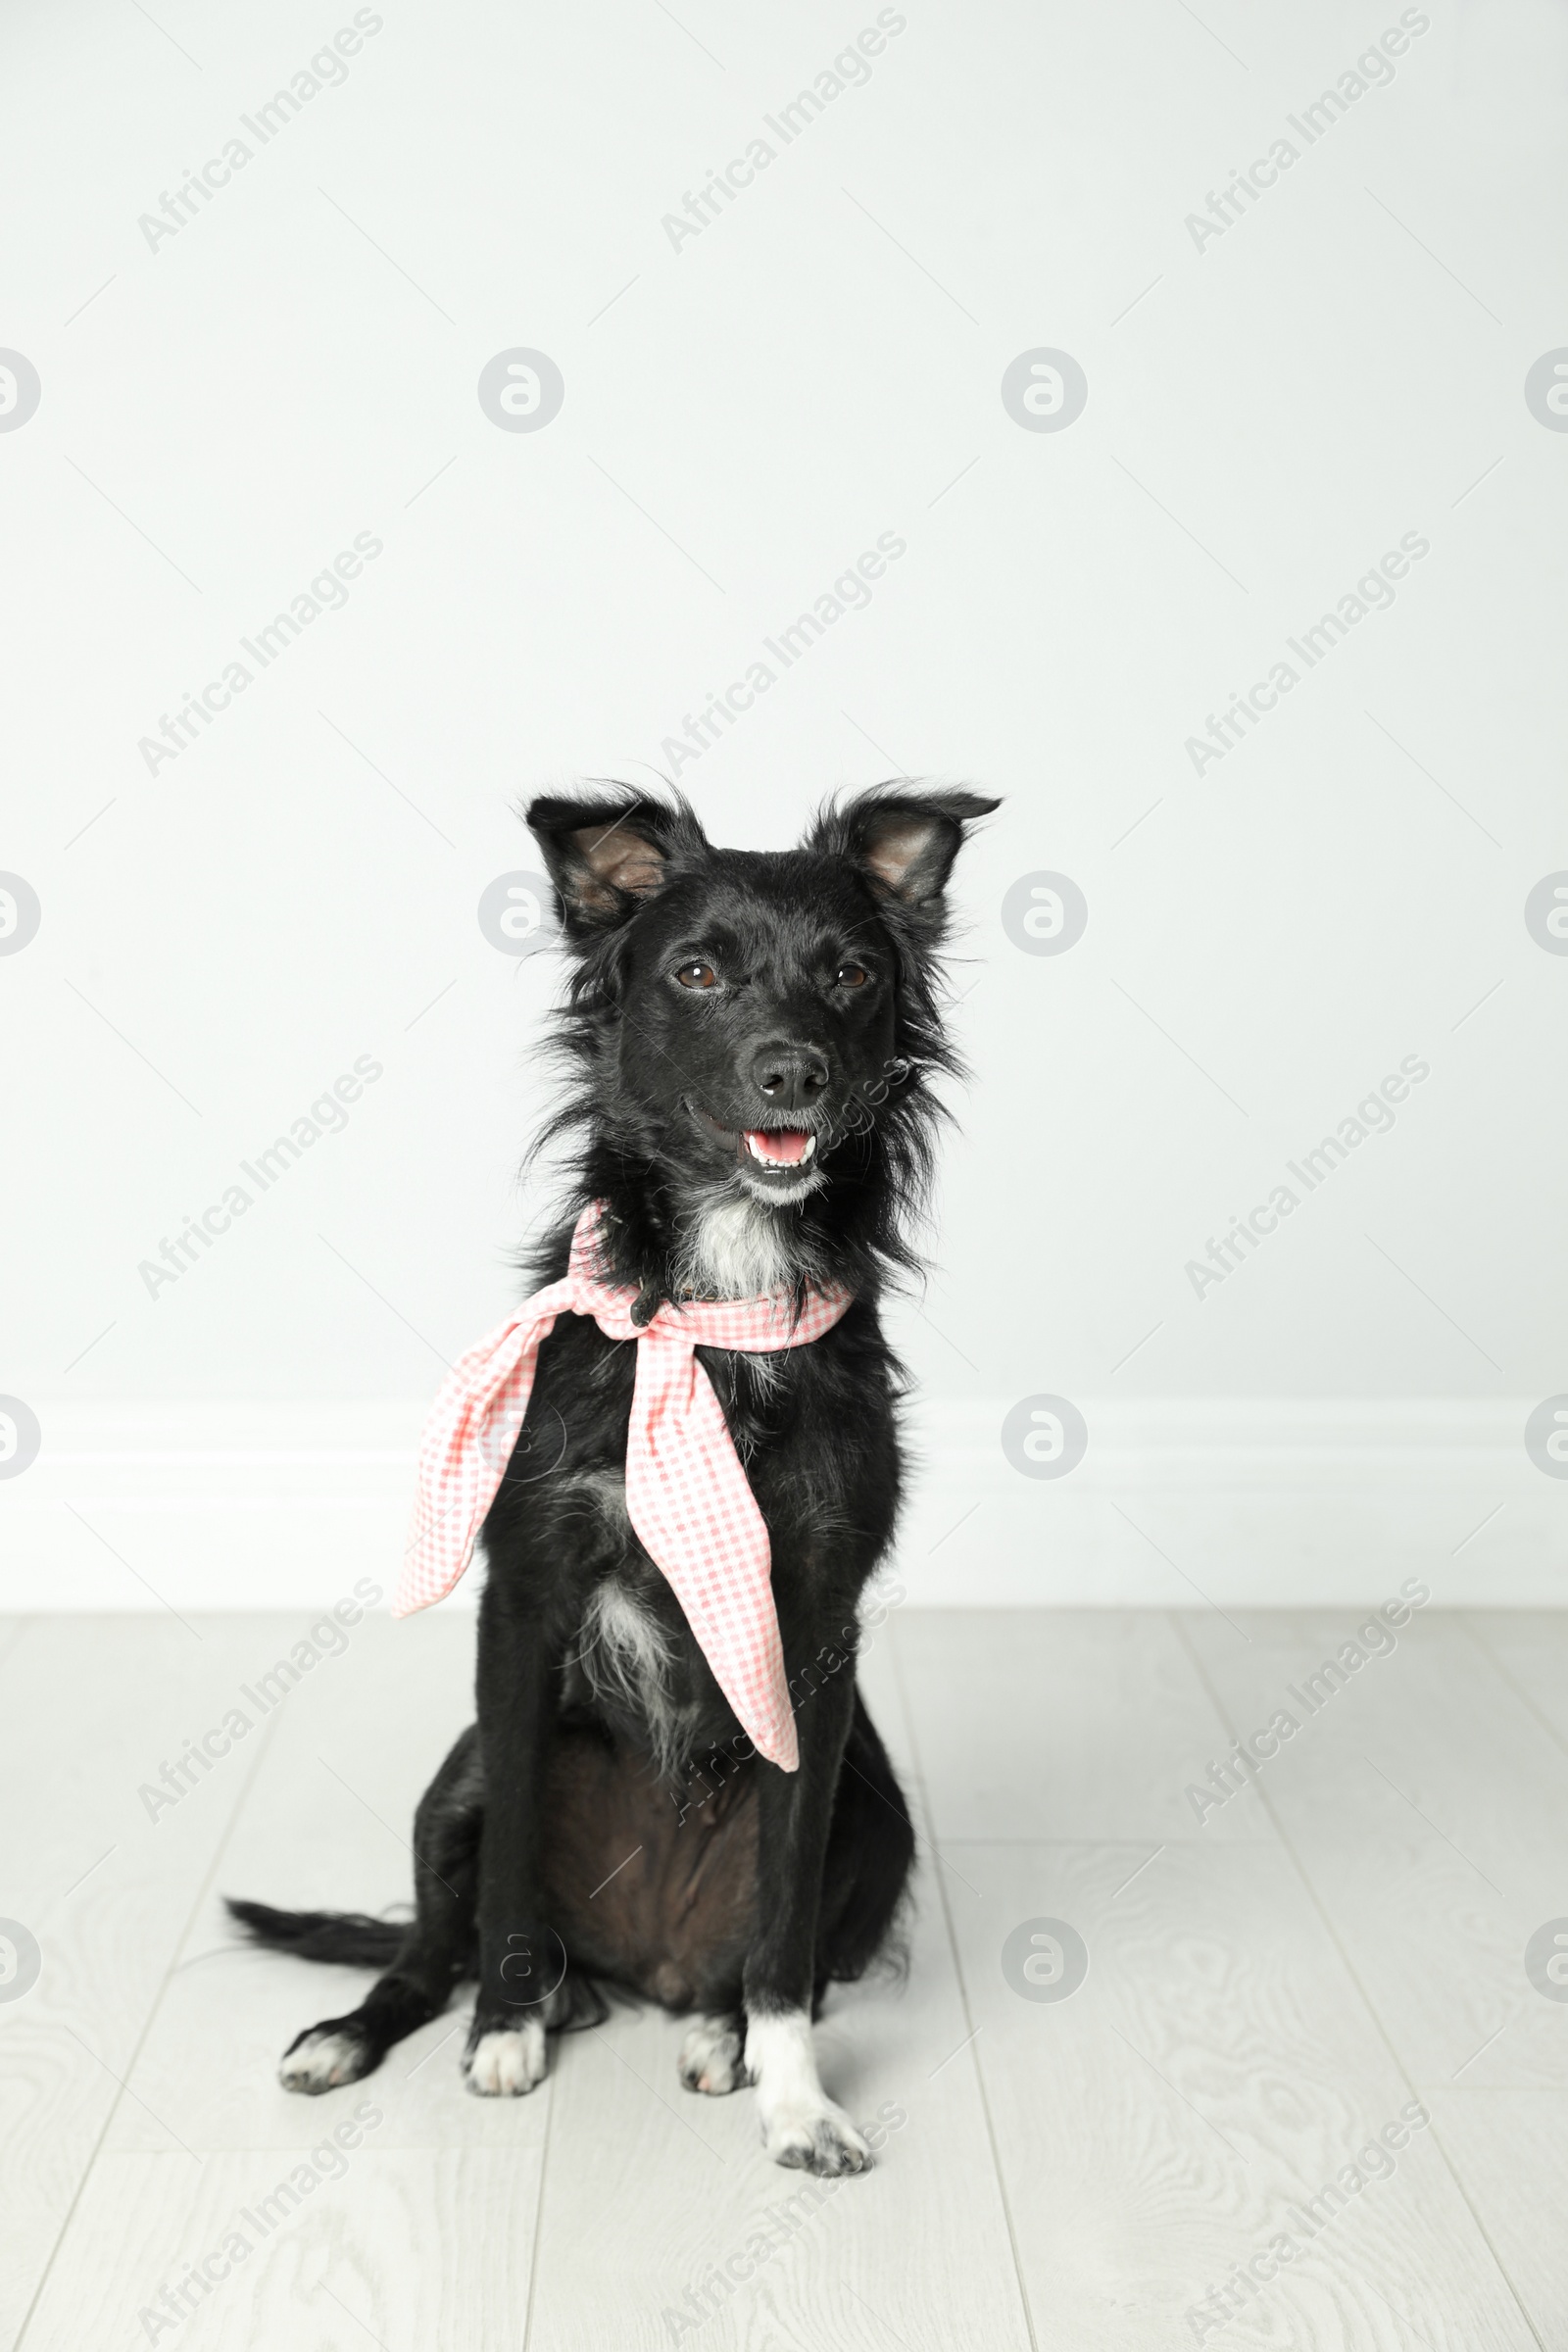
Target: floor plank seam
{"x":1505,"y":1674}
{"x":550,"y":2089}
{"x":1355,"y":1977}
{"x":153,"y":2008}
{"x":963,"y":1997}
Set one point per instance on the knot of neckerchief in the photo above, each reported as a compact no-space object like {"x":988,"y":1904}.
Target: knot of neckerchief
{"x":687,"y":1494}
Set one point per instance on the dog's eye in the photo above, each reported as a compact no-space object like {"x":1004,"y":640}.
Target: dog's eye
{"x":697,"y":975}
{"x":852,"y":975}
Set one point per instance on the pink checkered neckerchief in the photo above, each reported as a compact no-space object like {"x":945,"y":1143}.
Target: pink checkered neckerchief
{"x":686,"y":1493}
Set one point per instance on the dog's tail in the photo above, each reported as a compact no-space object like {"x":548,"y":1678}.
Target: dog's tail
{"x":351,"y":1939}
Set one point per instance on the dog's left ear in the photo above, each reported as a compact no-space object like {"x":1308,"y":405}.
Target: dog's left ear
{"x":607,"y":854}
{"x":904,"y":842}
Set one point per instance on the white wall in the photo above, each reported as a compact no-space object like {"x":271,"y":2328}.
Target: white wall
{"x":1266,"y":415}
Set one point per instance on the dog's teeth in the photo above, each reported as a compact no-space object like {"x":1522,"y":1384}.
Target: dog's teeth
{"x":764,"y":1159}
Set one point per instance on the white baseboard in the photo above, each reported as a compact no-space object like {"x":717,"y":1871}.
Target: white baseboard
{"x":1274,"y":1503}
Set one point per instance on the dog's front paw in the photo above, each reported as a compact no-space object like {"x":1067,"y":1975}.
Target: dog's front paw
{"x":818,"y":2138}
{"x":324,"y":2057}
{"x":503,"y":2062}
{"x":711,"y":2057}
{"x":800,"y":2126}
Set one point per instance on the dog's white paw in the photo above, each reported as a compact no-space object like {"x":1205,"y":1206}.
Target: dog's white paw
{"x":800,"y":2126}
{"x":322,"y":2059}
{"x":817,"y":2139}
{"x":711,"y":2057}
{"x":506,"y":2063}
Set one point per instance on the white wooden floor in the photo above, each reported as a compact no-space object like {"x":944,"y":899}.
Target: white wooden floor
{"x":1265,"y":1994}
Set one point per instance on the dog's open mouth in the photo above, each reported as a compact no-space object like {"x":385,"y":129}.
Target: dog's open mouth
{"x":779,"y":1146}
{"x":778,"y":1152}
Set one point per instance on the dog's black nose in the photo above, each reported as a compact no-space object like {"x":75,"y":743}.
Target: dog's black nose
{"x":790,"y":1076}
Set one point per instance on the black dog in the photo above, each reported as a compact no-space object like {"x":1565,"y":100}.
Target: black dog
{"x":750,"y":1037}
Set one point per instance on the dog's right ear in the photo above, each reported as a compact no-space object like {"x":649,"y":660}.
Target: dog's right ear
{"x":605,"y":855}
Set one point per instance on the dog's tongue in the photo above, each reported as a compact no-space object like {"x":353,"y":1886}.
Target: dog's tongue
{"x":784,"y":1145}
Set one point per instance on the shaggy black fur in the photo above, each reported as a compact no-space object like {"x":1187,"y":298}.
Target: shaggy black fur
{"x":727,"y":1012}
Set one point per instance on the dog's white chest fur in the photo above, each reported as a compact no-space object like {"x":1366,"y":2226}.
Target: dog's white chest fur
{"x":735,"y":1249}
{"x":624,"y":1655}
